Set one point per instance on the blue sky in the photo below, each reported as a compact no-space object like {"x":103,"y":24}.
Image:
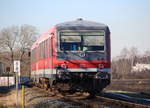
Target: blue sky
{"x":129,"y":20}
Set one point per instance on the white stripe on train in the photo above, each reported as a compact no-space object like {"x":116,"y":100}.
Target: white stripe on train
{"x":53,"y":71}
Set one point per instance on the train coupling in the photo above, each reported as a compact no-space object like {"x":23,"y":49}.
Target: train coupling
{"x":63,"y":75}
{"x":102,"y":75}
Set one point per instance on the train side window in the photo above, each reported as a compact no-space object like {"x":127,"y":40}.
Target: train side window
{"x":37,"y":54}
{"x":40,"y":50}
{"x":50,"y":47}
{"x":46,"y":48}
{"x":43,"y":50}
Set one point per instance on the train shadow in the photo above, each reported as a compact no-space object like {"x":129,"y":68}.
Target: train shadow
{"x":6,"y":89}
{"x":36,"y":97}
{"x":28,"y":84}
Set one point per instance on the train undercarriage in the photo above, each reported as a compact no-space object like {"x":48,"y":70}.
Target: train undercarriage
{"x":77,"y":81}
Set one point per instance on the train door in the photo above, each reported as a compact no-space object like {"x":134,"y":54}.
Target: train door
{"x":37,"y":65}
{"x":51,"y":56}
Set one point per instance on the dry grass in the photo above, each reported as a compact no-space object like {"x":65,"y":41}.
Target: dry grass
{"x":133,"y":85}
{"x":8,"y":100}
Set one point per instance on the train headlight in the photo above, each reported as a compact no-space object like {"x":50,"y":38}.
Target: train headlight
{"x":64,"y":66}
{"x":101,"y":66}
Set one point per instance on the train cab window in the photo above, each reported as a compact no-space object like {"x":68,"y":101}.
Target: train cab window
{"x":84,"y":41}
{"x":70,"y":46}
{"x":93,"y":43}
{"x":70,"y":43}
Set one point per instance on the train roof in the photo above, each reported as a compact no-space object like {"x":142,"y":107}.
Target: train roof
{"x":80,"y":24}
{"x":42,"y":38}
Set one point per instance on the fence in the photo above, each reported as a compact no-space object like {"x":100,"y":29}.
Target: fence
{"x":5,"y":81}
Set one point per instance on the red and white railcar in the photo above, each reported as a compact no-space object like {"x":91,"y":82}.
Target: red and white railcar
{"x":76,"y":51}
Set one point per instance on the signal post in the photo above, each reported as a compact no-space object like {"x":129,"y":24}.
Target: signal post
{"x":17,"y":71}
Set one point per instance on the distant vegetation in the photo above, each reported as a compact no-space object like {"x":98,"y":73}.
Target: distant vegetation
{"x":130,"y":64}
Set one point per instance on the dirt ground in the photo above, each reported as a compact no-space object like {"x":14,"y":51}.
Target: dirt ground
{"x":8,"y":99}
{"x":8,"y":96}
{"x":132,"y":85}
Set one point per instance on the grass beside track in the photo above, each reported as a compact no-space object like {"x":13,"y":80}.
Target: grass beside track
{"x":132,"y":85}
{"x":131,"y":94}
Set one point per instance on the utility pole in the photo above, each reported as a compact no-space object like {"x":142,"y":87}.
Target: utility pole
{"x":17,"y":71}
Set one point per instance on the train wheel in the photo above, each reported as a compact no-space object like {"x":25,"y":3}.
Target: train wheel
{"x":92,"y":94}
{"x":46,"y":86}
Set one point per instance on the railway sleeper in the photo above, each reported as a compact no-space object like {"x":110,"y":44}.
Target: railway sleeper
{"x":44,"y":83}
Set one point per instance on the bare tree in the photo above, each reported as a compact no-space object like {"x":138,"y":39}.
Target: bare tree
{"x":134,"y":53}
{"x":8,"y":37}
{"x":17,"y":41}
{"x":124,"y":53}
{"x":26,"y":38}
{"x":147,"y":53}
{"x":123,"y":65}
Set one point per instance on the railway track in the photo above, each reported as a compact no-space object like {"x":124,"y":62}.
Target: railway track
{"x":40,"y":98}
{"x":104,"y":102}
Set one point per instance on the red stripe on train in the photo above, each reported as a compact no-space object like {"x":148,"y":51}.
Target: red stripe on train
{"x":46,"y":64}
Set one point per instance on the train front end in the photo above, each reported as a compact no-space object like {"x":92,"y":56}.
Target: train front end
{"x":83,"y":54}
